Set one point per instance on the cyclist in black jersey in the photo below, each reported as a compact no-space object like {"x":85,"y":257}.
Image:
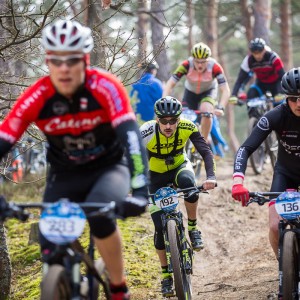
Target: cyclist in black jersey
{"x":165,"y":139}
{"x":89,"y":125}
{"x":285,"y":121}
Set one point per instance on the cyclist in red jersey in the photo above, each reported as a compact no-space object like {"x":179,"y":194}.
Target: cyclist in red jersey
{"x":87,"y":119}
{"x":267,"y":67}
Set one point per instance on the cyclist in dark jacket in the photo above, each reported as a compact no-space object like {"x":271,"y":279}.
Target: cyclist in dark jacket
{"x":285,"y":121}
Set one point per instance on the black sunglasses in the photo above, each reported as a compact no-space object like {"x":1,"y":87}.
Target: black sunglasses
{"x":293,"y":98}
{"x":70,"y":60}
{"x":171,"y":121}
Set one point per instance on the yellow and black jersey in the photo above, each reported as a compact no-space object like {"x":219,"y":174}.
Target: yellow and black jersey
{"x":174,"y":146}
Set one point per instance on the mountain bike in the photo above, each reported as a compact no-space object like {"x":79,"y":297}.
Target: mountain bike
{"x":257,"y":107}
{"x":62,"y":223}
{"x":287,"y":205}
{"x":179,"y":251}
{"x":192,"y":153}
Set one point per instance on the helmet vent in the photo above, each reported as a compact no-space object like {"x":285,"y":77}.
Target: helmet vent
{"x":50,"y":42}
{"x":75,"y":42}
{"x":62,"y":38}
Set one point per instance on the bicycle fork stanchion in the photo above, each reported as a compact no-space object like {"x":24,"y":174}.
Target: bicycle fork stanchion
{"x":76,"y":276}
{"x":281,"y":229}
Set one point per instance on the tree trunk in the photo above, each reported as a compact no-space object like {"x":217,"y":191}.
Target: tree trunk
{"x":93,"y":21}
{"x":246,"y":13}
{"x":190,"y":24}
{"x":211,"y":31}
{"x":158,"y":40}
{"x":5,"y":266}
{"x":286,"y":52}
{"x":262,"y":17}
{"x":142,"y":26}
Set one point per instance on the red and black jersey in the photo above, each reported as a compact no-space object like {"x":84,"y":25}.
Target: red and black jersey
{"x":90,"y":130}
{"x":267,"y":71}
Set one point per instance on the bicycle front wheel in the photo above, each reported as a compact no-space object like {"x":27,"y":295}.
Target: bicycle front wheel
{"x":290,"y":276}
{"x":181,"y":279}
{"x":257,"y":158}
{"x":56,"y":285}
{"x":194,"y":157}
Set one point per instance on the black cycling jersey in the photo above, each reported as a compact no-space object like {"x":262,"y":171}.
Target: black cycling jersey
{"x":287,"y":128}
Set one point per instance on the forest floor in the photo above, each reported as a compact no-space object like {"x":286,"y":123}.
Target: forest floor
{"x":237,"y":262}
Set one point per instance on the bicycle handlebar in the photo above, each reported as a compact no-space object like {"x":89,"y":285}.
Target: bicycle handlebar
{"x":199,"y":188}
{"x":260,"y":197}
{"x":17,"y":210}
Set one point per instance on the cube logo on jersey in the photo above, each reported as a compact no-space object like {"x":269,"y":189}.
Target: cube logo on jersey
{"x":263,"y":124}
{"x":83,"y":104}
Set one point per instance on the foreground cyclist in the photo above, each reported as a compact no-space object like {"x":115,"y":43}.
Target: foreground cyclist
{"x":165,"y":139}
{"x":267,"y":67}
{"x":87,"y":119}
{"x":204,"y":77}
{"x":285,"y":121}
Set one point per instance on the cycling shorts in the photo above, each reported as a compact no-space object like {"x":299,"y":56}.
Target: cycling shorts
{"x":111,"y":183}
{"x":193,"y":100}
{"x":282,"y":182}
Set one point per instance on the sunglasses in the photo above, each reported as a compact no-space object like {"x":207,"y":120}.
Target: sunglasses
{"x":293,"y":98}
{"x":171,"y":121}
{"x":201,"y":62}
{"x":70,"y":60}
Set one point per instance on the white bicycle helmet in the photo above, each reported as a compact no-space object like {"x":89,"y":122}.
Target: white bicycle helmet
{"x":64,"y":35}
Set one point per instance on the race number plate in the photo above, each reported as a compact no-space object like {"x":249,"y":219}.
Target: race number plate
{"x":62,"y":222}
{"x":287,"y":205}
{"x":256,"y":102}
{"x":189,"y":114}
{"x":166,"y":199}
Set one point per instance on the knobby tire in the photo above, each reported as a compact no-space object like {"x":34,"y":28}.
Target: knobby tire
{"x":290,"y":255}
{"x":272,"y":147}
{"x":257,"y":158}
{"x":55,"y":285}
{"x":181,"y":279}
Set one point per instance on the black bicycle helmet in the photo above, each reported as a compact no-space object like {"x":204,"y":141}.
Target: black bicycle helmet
{"x":167,"y":107}
{"x":257,"y":44}
{"x":290,"y":82}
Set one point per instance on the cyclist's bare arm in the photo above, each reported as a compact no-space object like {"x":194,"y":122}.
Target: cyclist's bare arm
{"x":225,"y":94}
{"x":169,"y":87}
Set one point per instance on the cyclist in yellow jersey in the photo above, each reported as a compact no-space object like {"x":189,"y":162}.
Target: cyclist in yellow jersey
{"x":165,"y":139}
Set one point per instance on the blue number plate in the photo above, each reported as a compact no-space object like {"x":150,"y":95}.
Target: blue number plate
{"x":166,"y":199}
{"x":62,"y":222}
{"x":287,"y":205}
